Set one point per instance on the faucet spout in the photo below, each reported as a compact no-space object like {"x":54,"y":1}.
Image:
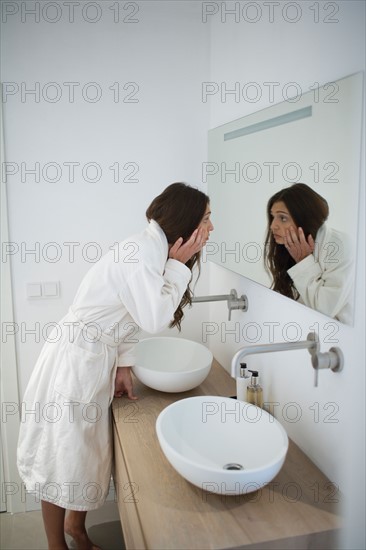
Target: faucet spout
{"x":311,"y":344}
{"x":232,"y":299}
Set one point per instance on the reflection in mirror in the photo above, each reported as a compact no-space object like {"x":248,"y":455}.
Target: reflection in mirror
{"x":307,"y":260}
{"x":314,"y":139}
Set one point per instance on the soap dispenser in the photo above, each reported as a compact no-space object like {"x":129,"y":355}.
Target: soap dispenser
{"x":254,"y":390}
{"x":242,"y":383}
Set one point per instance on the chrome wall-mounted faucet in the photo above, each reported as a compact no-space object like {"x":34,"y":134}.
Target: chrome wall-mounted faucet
{"x":333,"y":359}
{"x":233,"y":302}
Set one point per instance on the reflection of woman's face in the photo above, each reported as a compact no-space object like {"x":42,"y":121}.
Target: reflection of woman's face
{"x":206,"y":224}
{"x":281,"y":220}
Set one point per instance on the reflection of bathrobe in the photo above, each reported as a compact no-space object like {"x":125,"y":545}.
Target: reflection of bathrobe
{"x":65,"y":445}
{"x":325,"y":278}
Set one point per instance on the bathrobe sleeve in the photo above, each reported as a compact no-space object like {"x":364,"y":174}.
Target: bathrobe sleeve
{"x":324,"y":279}
{"x":151,"y":293}
{"x":126,"y":350}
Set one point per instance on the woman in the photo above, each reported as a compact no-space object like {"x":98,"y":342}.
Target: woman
{"x":308,"y":261}
{"x":65,"y":451}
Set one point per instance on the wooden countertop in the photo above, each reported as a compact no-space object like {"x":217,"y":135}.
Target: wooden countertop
{"x":159,"y":509}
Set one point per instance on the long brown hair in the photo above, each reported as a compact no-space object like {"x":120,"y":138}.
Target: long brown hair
{"x":309,"y":210}
{"x":179,"y":210}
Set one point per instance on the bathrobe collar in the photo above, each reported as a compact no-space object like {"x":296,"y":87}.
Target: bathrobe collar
{"x":321,"y":237}
{"x":156,"y":231}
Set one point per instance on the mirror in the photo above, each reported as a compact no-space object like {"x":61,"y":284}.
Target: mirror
{"x":314,"y":139}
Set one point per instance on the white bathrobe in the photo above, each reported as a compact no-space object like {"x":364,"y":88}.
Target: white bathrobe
{"x":324,"y":279}
{"x":65,"y":441}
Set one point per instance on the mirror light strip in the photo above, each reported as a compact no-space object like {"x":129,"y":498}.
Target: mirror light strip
{"x":270,"y":123}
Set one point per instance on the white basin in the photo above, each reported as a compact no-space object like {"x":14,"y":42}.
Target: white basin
{"x":202,"y":436}
{"x":171,"y":364}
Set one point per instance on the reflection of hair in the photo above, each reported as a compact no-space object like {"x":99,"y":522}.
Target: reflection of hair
{"x":309,"y":210}
{"x":179,"y":210}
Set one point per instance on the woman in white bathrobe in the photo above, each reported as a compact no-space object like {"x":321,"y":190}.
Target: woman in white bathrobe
{"x":308,"y":261}
{"x":65,"y":444}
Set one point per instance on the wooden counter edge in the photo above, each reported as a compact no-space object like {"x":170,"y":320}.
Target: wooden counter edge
{"x":129,"y":516}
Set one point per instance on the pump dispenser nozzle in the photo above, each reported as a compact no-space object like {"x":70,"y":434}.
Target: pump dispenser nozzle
{"x":244,"y":371}
{"x":254,"y":372}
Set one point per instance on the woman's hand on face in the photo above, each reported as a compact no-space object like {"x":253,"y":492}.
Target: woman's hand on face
{"x":184,"y":251}
{"x":123,"y":383}
{"x":297,"y":245}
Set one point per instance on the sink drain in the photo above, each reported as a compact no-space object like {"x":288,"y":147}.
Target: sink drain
{"x":233,"y":466}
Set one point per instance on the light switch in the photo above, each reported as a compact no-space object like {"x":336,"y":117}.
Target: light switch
{"x":34,"y":290}
{"x":50,"y":289}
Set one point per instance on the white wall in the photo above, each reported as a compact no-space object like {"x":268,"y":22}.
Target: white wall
{"x":156,"y":140}
{"x":327,"y":422}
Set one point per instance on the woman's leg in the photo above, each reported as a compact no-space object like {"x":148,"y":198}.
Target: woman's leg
{"x":75,"y":527}
{"x":53,"y":519}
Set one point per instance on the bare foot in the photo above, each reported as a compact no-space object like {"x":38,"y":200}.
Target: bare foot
{"x":81,"y":538}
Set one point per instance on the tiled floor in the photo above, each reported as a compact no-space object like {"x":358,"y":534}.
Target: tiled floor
{"x":26,"y":532}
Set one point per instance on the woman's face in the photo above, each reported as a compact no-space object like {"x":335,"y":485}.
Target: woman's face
{"x":206,"y":224}
{"x":281,"y":220}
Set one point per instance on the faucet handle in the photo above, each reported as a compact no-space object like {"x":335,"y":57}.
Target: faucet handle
{"x":332,"y":359}
{"x":234,"y":302}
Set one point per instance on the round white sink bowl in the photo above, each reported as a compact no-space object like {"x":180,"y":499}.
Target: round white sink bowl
{"x":222,"y":445}
{"x":171,"y":364}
